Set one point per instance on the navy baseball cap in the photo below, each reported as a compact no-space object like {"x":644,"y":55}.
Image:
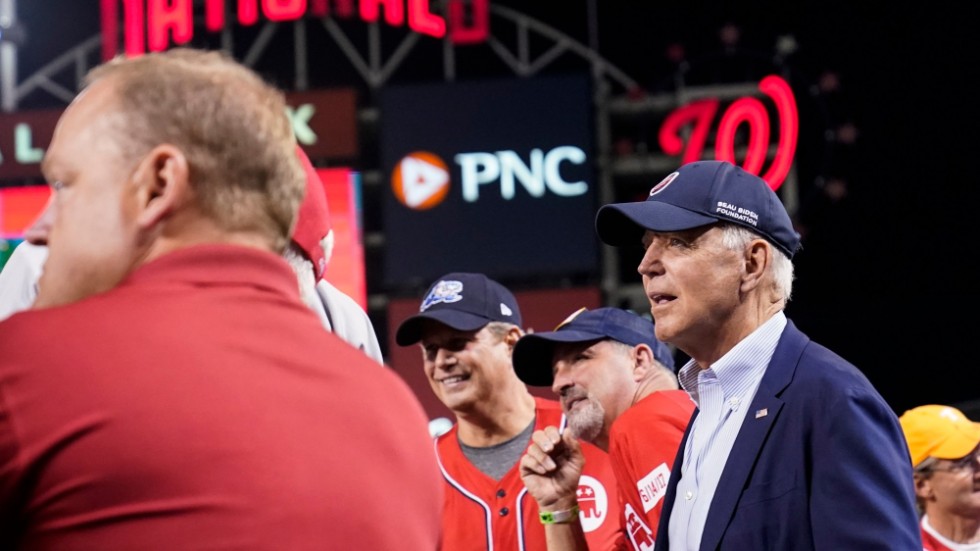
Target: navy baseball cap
{"x":534,"y":351}
{"x":698,"y":194}
{"x":463,"y":301}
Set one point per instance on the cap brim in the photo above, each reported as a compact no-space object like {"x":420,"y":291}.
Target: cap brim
{"x":410,"y":330}
{"x":959,"y":443}
{"x":624,"y":223}
{"x":534,"y":352}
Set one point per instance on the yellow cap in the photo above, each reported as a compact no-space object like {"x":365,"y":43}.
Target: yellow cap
{"x":937,"y":431}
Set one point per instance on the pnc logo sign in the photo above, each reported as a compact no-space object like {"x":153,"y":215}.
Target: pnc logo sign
{"x":421,"y":180}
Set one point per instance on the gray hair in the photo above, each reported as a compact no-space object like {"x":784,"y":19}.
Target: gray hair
{"x":499,"y":329}
{"x":737,"y":237}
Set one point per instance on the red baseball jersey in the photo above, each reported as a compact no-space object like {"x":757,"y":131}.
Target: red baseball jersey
{"x":930,"y":542}
{"x":481,"y":513}
{"x":643,"y":442}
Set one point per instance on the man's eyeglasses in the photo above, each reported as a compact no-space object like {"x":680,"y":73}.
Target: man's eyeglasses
{"x":961,"y":465}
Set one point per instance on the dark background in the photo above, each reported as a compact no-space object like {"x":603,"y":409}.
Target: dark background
{"x":887,"y":276}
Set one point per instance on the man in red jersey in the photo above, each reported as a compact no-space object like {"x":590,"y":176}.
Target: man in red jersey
{"x":619,"y":392}
{"x":944,"y":446}
{"x":467,"y":327}
{"x":169,"y":390}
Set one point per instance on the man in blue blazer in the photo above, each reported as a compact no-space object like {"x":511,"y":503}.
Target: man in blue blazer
{"x":790,"y":447}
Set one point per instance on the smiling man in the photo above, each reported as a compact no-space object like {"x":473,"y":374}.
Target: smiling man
{"x":467,"y":327}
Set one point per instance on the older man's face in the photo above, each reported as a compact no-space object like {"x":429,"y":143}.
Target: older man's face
{"x":89,"y":224}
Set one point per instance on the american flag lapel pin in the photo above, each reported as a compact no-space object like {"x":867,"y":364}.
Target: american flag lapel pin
{"x":761,"y":413}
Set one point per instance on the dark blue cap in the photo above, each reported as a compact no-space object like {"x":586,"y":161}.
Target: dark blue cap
{"x":534,"y":352}
{"x":698,"y":194}
{"x":463,"y":301}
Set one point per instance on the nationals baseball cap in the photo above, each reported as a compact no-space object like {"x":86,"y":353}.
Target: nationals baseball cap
{"x":698,"y":194}
{"x":463,"y":301}
{"x":938,"y":431}
{"x":534,"y":351}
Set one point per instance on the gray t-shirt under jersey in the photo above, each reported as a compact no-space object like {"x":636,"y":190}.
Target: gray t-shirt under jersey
{"x":494,"y":461}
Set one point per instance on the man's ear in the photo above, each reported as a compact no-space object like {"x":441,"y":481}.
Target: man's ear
{"x":642,"y":361}
{"x":163,"y":183}
{"x":923,"y":486}
{"x":512,"y":336}
{"x":757,"y":257}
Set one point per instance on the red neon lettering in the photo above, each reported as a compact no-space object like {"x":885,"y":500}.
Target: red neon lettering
{"x":320,"y":8}
{"x":700,"y":113}
{"x":173,"y":16}
{"x":422,"y":21}
{"x":474,"y":31}
{"x":752,"y":112}
{"x":133,"y":20}
{"x":171,"y":21}
{"x":283,"y":10}
{"x":110,"y":28}
{"x":248,"y":12}
{"x":394,"y":14}
{"x":214,"y":15}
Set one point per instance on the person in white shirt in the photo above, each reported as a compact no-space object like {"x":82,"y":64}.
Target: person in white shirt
{"x":309,"y":254}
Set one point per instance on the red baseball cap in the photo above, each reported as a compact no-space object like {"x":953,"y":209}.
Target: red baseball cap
{"x":313,"y":220}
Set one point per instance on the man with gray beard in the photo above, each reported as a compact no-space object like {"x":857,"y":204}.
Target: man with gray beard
{"x":618,"y":391}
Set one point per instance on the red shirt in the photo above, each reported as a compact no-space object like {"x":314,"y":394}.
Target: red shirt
{"x":201,"y":405}
{"x":481,"y":513}
{"x":643,"y":442}
{"x":929,"y":543}
{"x":932,"y":543}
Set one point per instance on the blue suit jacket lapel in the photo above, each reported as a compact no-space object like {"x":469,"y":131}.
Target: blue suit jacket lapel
{"x":752,"y":435}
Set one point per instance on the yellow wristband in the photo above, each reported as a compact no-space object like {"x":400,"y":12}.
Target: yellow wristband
{"x":559,"y":517}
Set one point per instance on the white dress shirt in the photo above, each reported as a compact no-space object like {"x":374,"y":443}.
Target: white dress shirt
{"x":723,"y":393}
